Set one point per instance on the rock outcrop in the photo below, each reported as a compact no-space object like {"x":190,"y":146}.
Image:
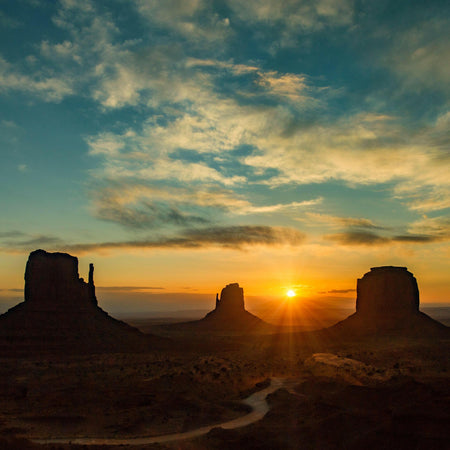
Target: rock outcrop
{"x":387,"y":291}
{"x":230,"y":312}
{"x":229,"y":316}
{"x":52,"y":283}
{"x":231,"y":301}
{"x":60,"y":313}
{"x":388,"y":301}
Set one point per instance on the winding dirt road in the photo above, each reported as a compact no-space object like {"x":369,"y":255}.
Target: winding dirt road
{"x":256,"y":401}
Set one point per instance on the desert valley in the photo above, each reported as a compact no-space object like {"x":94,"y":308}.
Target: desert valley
{"x":71,"y":376}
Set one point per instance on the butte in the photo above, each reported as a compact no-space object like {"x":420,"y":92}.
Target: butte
{"x":60,"y":313}
{"x":229,"y":316}
{"x":387,"y":302}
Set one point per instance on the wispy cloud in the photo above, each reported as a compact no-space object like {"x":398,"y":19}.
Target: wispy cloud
{"x":352,"y":222}
{"x":279,"y":207}
{"x":357,"y":238}
{"x":48,"y":88}
{"x":293,"y":18}
{"x":232,"y":237}
{"x":12,"y":234}
{"x":128,"y":288}
{"x":195,"y":20}
{"x":138,"y":205}
{"x":338,"y":291}
{"x":374,"y":239}
{"x":420,"y":55}
{"x":17,"y":241}
{"x":361,"y":231}
{"x":145,"y":214}
{"x":438,"y":227}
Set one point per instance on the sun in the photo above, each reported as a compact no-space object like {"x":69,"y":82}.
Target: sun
{"x":291,"y":293}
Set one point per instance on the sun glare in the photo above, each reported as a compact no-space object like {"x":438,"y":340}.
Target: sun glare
{"x":291,"y":293}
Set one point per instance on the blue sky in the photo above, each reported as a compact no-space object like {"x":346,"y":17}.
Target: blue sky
{"x":199,"y":130}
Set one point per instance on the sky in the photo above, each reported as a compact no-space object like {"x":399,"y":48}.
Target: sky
{"x":182,"y":145}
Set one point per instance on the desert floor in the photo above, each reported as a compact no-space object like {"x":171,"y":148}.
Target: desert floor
{"x":387,"y":392}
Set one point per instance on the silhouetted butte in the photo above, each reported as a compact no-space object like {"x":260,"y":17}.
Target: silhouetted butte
{"x":60,"y":313}
{"x":388,"y":301}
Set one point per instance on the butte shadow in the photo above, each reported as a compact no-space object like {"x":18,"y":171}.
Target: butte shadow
{"x":60,"y":314}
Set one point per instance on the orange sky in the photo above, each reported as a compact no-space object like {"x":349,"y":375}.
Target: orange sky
{"x":315,"y":272}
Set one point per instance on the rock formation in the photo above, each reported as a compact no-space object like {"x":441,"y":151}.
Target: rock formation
{"x":388,"y":301}
{"x":52,"y":283}
{"x":387,"y":291}
{"x":228,"y":316}
{"x":60,"y":312}
{"x":231,"y":300}
{"x":230,"y":312}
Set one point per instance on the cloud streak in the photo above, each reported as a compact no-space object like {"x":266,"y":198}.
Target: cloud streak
{"x":231,"y":237}
{"x":127,"y":288}
{"x":353,"y":222}
{"x":356,"y":238}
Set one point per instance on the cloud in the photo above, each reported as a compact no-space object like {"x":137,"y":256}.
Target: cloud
{"x":415,"y":238}
{"x":231,"y":237}
{"x":140,"y":205}
{"x":279,"y":207}
{"x":360,"y":231}
{"x":364,"y":149}
{"x":357,"y":238}
{"x":420,"y":54}
{"x":48,"y":88}
{"x":338,"y":291}
{"x":435,"y":227}
{"x":293,"y":18}
{"x":352,"y":222}
{"x":127,"y":288}
{"x":17,"y":240}
{"x":11,"y":234}
{"x":425,"y":231}
{"x":194,"y":20}
{"x":145,"y":214}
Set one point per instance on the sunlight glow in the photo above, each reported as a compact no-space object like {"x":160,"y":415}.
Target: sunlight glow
{"x":291,"y":293}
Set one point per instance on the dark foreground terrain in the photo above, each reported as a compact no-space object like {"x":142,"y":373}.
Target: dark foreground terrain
{"x":390,"y":392}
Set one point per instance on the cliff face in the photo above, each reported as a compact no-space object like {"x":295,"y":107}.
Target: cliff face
{"x":52,"y":283}
{"x":387,"y":291}
{"x":60,"y":313}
